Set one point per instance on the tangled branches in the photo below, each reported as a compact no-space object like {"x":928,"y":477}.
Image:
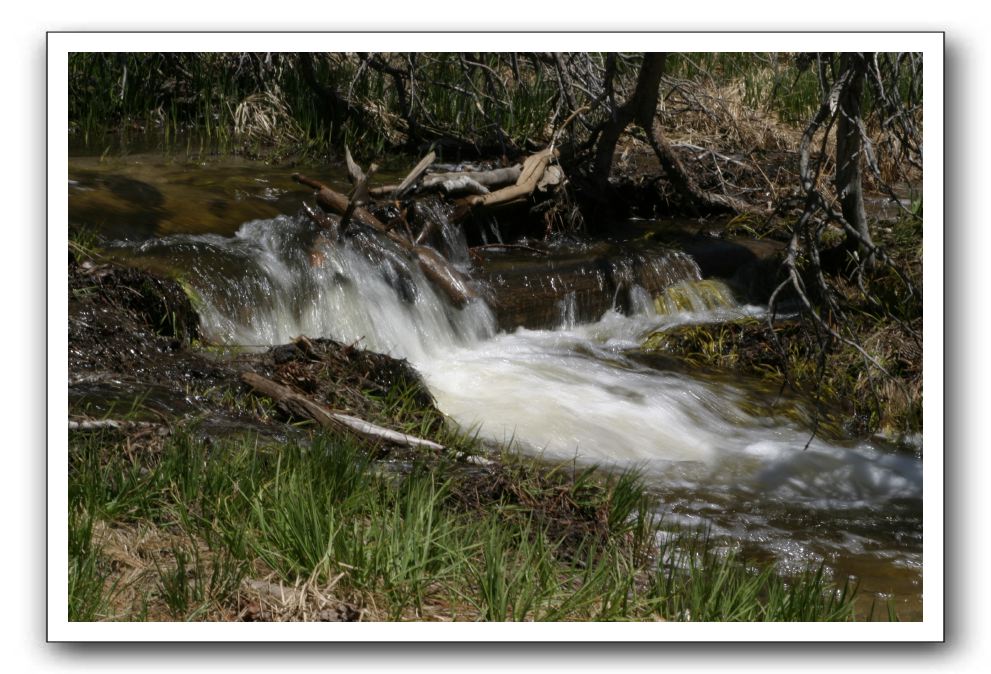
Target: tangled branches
{"x":807,"y":263}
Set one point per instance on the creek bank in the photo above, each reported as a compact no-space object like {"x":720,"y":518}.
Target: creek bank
{"x":134,"y":345}
{"x":851,"y":402}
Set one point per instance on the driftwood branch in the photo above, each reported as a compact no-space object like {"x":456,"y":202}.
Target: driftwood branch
{"x":413,"y":175}
{"x":445,"y":181}
{"x":335,"y":202}
{"x":301,"y":406}
{"x":530,"y":176}
{"x":355,"y":173}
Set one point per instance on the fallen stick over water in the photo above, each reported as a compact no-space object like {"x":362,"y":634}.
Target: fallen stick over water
{"x":301,"y":406}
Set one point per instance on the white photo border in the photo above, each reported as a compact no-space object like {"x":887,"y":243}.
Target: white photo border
{"x":930,"y":629}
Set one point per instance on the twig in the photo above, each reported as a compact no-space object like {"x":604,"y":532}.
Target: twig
{"x":102,"y":424}
{"x":414,"y":175}
{"x":509,"y":246}
{"x":302,"y":406}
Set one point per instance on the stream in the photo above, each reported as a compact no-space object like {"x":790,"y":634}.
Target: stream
{"x":716,"y":449}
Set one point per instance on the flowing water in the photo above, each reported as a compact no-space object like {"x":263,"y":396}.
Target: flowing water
{"x":717,"y":450}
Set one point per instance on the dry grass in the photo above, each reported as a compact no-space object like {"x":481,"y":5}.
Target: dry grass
{"x":704,"y":112}
{"x":141,"y":554}
{"x":266,"y":117}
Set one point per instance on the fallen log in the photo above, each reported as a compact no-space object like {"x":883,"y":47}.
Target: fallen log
{"x":530,"y":175}
{"x":300,"y":406}
{"x":454,"y":284}
{"x":492,"y":178}
{"x":444,"y":181}
{"x":436,"y":268}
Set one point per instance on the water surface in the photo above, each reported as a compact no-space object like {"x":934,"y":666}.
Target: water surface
{"x":719,"y":450}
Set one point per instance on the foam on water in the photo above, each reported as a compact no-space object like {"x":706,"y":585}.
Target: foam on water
{"x":564,"y":393}
{"x":572,"y":393}
{"x":569,"y":393}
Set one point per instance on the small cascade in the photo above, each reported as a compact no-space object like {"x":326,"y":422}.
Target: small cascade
{"x":694,"y":296}
{"x":275,"y":280}
{"x":568,"y":309}
{"x":570,"y":390}
{"x":640,"y":302}
{"x":455,"y":244}
{"x":529,"y":289}
{"x":449,"y":238}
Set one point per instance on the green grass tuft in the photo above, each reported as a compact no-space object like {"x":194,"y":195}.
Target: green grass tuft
{"x":430,"y":540}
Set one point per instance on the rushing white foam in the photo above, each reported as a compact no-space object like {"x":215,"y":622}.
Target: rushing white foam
{"x":263,"y":288}
{"x":564,"y":393}
{"x":572,"y":394}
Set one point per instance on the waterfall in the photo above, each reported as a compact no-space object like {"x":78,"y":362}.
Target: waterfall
{"x":276,"y":280}
{"x":562,"y":379}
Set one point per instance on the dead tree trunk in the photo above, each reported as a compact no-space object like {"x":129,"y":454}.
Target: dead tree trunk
{"x":849,"y":153}
{"x":642,"y":104}
{"x":641,"y":108}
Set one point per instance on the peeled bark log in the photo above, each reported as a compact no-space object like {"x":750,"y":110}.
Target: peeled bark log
{"x":530,"y":175}
{"x":413,"y":176}
{"x":462,"y":185}
{"x":301,"y":406}
{"x":495,"y":178}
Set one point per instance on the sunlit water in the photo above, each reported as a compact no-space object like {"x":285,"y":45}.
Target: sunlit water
{"x":579,"y":392}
